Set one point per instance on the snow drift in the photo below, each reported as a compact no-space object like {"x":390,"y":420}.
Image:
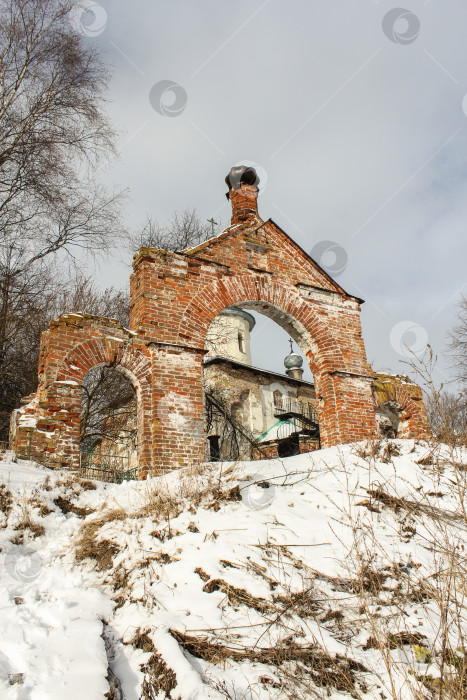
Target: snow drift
{"x":339,"y":573}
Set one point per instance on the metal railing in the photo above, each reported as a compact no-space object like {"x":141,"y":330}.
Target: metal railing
{"x":295,"y":409}
{"x":107,"y":467}
{"x":301,"y":417}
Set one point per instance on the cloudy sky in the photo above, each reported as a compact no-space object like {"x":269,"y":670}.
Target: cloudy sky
{"x":354,"y":111}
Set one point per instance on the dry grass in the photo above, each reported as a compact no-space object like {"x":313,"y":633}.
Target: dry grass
{"x":314,"y":664}
{"x":43,"y":508}
{"x":66,"y":506}
{"x":219,"y":497}
{"x":238,"y":596}
{"x":394,"y":502}
{"x":6,"y":500}
{"x":302,"y":603}
{"x":440,"y":643}
{"x":26,"y":523}
{"x":158,"y":676}
{"x":369,"y":450}
{"x":159,"y":506}
{"x":87,"y":485}
{"x":89,"y":546}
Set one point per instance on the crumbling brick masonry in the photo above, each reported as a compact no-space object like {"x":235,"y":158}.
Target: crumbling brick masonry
{"x":253,"y":264}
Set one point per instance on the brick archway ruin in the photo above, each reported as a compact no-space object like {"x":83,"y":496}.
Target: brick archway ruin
{"x":334,"y":350}
{"x":175,"y":297}
{"x":401,"y":400}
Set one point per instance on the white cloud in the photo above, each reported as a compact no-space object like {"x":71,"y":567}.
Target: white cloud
{"x":376,"y":151}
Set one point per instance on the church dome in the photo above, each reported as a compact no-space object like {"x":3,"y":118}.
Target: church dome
{"x":293,"y":361}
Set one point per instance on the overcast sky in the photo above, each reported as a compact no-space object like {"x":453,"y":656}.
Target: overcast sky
{"x":353,"y":111}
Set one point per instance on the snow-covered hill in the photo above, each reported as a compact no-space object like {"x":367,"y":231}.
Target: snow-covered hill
{"x":339,"y":573}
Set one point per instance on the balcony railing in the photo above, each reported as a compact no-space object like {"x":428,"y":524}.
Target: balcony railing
{"x":301,"y":415}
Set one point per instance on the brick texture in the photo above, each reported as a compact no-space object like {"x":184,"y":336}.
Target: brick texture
{"x":174,"y":298}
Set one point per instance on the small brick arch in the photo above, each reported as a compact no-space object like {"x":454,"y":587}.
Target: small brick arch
{"x":405,"y":399}
{"x":97,"y":352}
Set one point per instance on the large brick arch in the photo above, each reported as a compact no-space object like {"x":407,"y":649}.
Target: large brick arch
{"x":327,"y":355}
{"x":276,"y":301}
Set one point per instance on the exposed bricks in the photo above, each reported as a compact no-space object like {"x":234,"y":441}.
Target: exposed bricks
{"x":174,"y":299}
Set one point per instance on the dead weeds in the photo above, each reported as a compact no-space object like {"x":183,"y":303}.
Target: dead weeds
{"x":393,"y":502}
{"x":27,"y":523}
{"x":394,"y":641}
{"x":43,"y":508}
{"x":220,"y":497}
{"x":302,"y":603}
{"x":87,"y":485}
{"x":323,"y":669}
{"x":6,"y":500}
{"x":158,"y":676}
{"x":238,"y":596}
{"x":88,"y":546}
{"x":67,"y":506}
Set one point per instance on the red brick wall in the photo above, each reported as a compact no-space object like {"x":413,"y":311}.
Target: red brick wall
{"x":174,"y":299}
{"x":407,"y":398}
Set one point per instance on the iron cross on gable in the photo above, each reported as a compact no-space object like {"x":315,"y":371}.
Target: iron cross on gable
{"x":213,"y":223}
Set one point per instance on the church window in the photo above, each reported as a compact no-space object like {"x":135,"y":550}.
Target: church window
{"x":241,"y":342}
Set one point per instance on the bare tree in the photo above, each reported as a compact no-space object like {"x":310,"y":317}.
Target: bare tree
{"x":235,"y":440}
{"x":53,"y":134}
{"x":184,"y":230}
{"x":458,"y":342}
{"x":53,"y":131}
{"x":447,"y":414}
{"x":446,"y":411}
{"x":108,"y":408}
{"x":34,"y":300}
{"x":82,"y":294}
